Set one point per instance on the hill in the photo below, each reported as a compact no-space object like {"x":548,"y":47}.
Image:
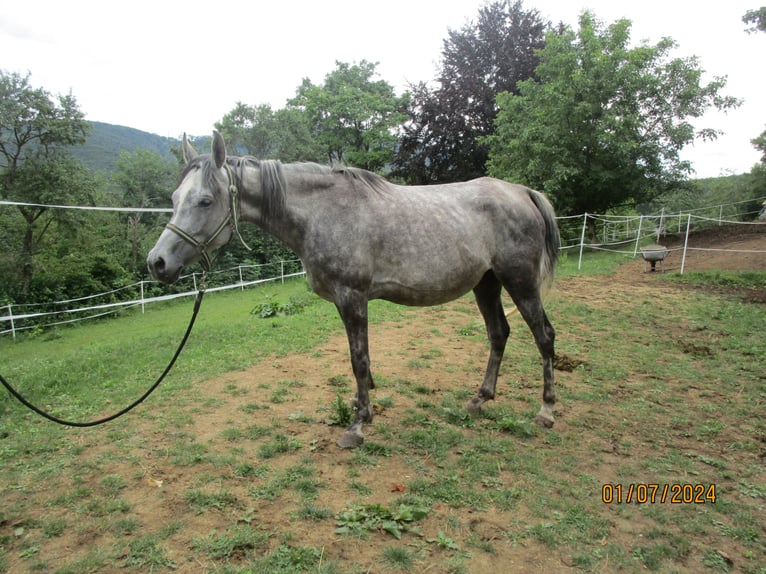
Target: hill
{"x":106,"y":141}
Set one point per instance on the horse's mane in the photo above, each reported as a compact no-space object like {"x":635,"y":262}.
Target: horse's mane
{"x":273,"y":182}
{"x":368,"y":178}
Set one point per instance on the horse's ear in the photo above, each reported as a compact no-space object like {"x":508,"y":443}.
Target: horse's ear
{"x":219,"y":149}
{"x":187,"y":151}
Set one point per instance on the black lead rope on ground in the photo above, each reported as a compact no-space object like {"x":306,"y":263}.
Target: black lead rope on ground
{"x":130,"y":407}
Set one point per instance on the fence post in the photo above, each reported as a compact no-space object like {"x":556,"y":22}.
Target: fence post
{"x":142,"y":296}
{"x":10,"y":316}
{"x":194,"y":280}
{"x":638,"y":235}
{"x":686,"y":242}
{"x":282,"y":270}
{"x":241,"y":281}
{"x":582,"y":239}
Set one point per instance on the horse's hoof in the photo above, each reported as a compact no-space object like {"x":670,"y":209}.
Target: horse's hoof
{"x":544,"y":422}
{"x":474,"y":406}
{"x":350,"y":439}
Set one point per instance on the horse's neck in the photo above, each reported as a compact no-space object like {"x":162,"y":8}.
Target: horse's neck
{"x":287,"y":225}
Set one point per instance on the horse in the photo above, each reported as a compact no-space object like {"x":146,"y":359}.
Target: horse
{"x":361,"y":237}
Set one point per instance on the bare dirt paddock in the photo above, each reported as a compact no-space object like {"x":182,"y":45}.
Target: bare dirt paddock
{"x":657,"y":384}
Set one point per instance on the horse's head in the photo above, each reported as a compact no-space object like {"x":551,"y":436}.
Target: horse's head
{"x":203,"y":213}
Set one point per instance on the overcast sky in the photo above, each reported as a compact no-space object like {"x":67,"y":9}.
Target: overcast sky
{"x":170,"y":67}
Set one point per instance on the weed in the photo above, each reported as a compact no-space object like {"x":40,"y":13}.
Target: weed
{"x":341,"y":381}
{"x":201,"y":500}
{"x":246,"y":469}
{"x":342,"y":414}
{"x":54,"y":527}
{"x":124,"y":526}
{"x":443,"y":541}
{"x":279,"y":445}
{"x":385,"y":402}
{"x":716,"y":561}
{"x":270,"y":309}
{"x":147,"y":554}
{"x":398,"y":557}
{"x":113,"y":484}
{"x":235,"y":543}
{"x":314,"y":513}
{"x":360,"y":519}
{"x":516,"y":427}
{"x":376,"y":449}
{"x":360,"y":488}
{"x":289,"y":560}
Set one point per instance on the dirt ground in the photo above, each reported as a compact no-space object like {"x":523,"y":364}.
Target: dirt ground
{"x":727,"y":247}
{"x":157,"y":499}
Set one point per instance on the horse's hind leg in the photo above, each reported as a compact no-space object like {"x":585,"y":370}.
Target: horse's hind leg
{"x":352,"y":306}
{"x":487,"y":294}
{"x":529,"y":303}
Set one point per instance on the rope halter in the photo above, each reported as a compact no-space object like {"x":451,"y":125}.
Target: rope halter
{"x":232,"y":217}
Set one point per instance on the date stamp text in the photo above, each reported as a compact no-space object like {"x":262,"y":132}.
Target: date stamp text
{"x":658,"y":493}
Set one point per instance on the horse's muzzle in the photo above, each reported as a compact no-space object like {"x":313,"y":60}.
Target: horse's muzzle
{"x":161,"y":270}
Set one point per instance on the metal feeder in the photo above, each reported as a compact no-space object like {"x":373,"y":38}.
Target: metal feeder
{"x":652,"y":254}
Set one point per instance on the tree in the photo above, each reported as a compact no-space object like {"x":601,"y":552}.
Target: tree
{"x":35,"y":129}
{"x":144,"y":178}
{"x":353,"y":117}
{"x":758,"y":174}
{"x":486,"y":57}
{"x":605,"y":123}
{"x":267,"y":134}
{"x":757,"y":19}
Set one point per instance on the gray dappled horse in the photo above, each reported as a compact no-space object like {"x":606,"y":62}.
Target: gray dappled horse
{"x":361,"y":237}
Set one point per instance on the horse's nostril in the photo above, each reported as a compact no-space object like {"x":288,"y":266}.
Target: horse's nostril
{"x":158,"y":265}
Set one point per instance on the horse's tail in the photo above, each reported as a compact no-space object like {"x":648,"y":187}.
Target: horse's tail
{"x":552,"y":239}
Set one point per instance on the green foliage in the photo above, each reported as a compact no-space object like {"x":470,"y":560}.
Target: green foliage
{"x":35,"y":168}
{"x":259,"y":131}
{"x":443,"y":541}
{"x":604,"y":124}
{"x":236,"y":542}
{"x":485,"y":57}
{"x":144,"y":179}
{"x":360,"y":519}
{"x":342,"y":413}
{"x":271,"y":308}
{"x":757,"y":19}
{"x":398,"y":557}
{"x":147,"y":553}
{"x":353,"y":116}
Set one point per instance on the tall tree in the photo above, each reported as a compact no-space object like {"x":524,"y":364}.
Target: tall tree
{"x":605,"y":123}
{"x":259,"y":131}
{"x":35,"y":129}
{"x":353,"y":116}
{"x":756,"y":19}
{"x":485,"y":57}
{"x":144,"y":178}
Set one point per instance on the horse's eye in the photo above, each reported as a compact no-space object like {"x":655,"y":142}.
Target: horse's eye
{"x":205,"y":202}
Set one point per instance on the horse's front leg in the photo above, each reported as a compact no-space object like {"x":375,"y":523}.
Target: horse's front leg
{"x":352,"y":306}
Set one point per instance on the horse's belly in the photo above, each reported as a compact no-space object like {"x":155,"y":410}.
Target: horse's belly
{"x":428,"y":271}
{"x":424,"y":286}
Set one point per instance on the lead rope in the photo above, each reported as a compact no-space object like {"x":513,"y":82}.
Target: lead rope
{"x":55,"y":419}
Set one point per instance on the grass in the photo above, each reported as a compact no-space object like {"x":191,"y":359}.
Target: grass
{"x":670,"y":390}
